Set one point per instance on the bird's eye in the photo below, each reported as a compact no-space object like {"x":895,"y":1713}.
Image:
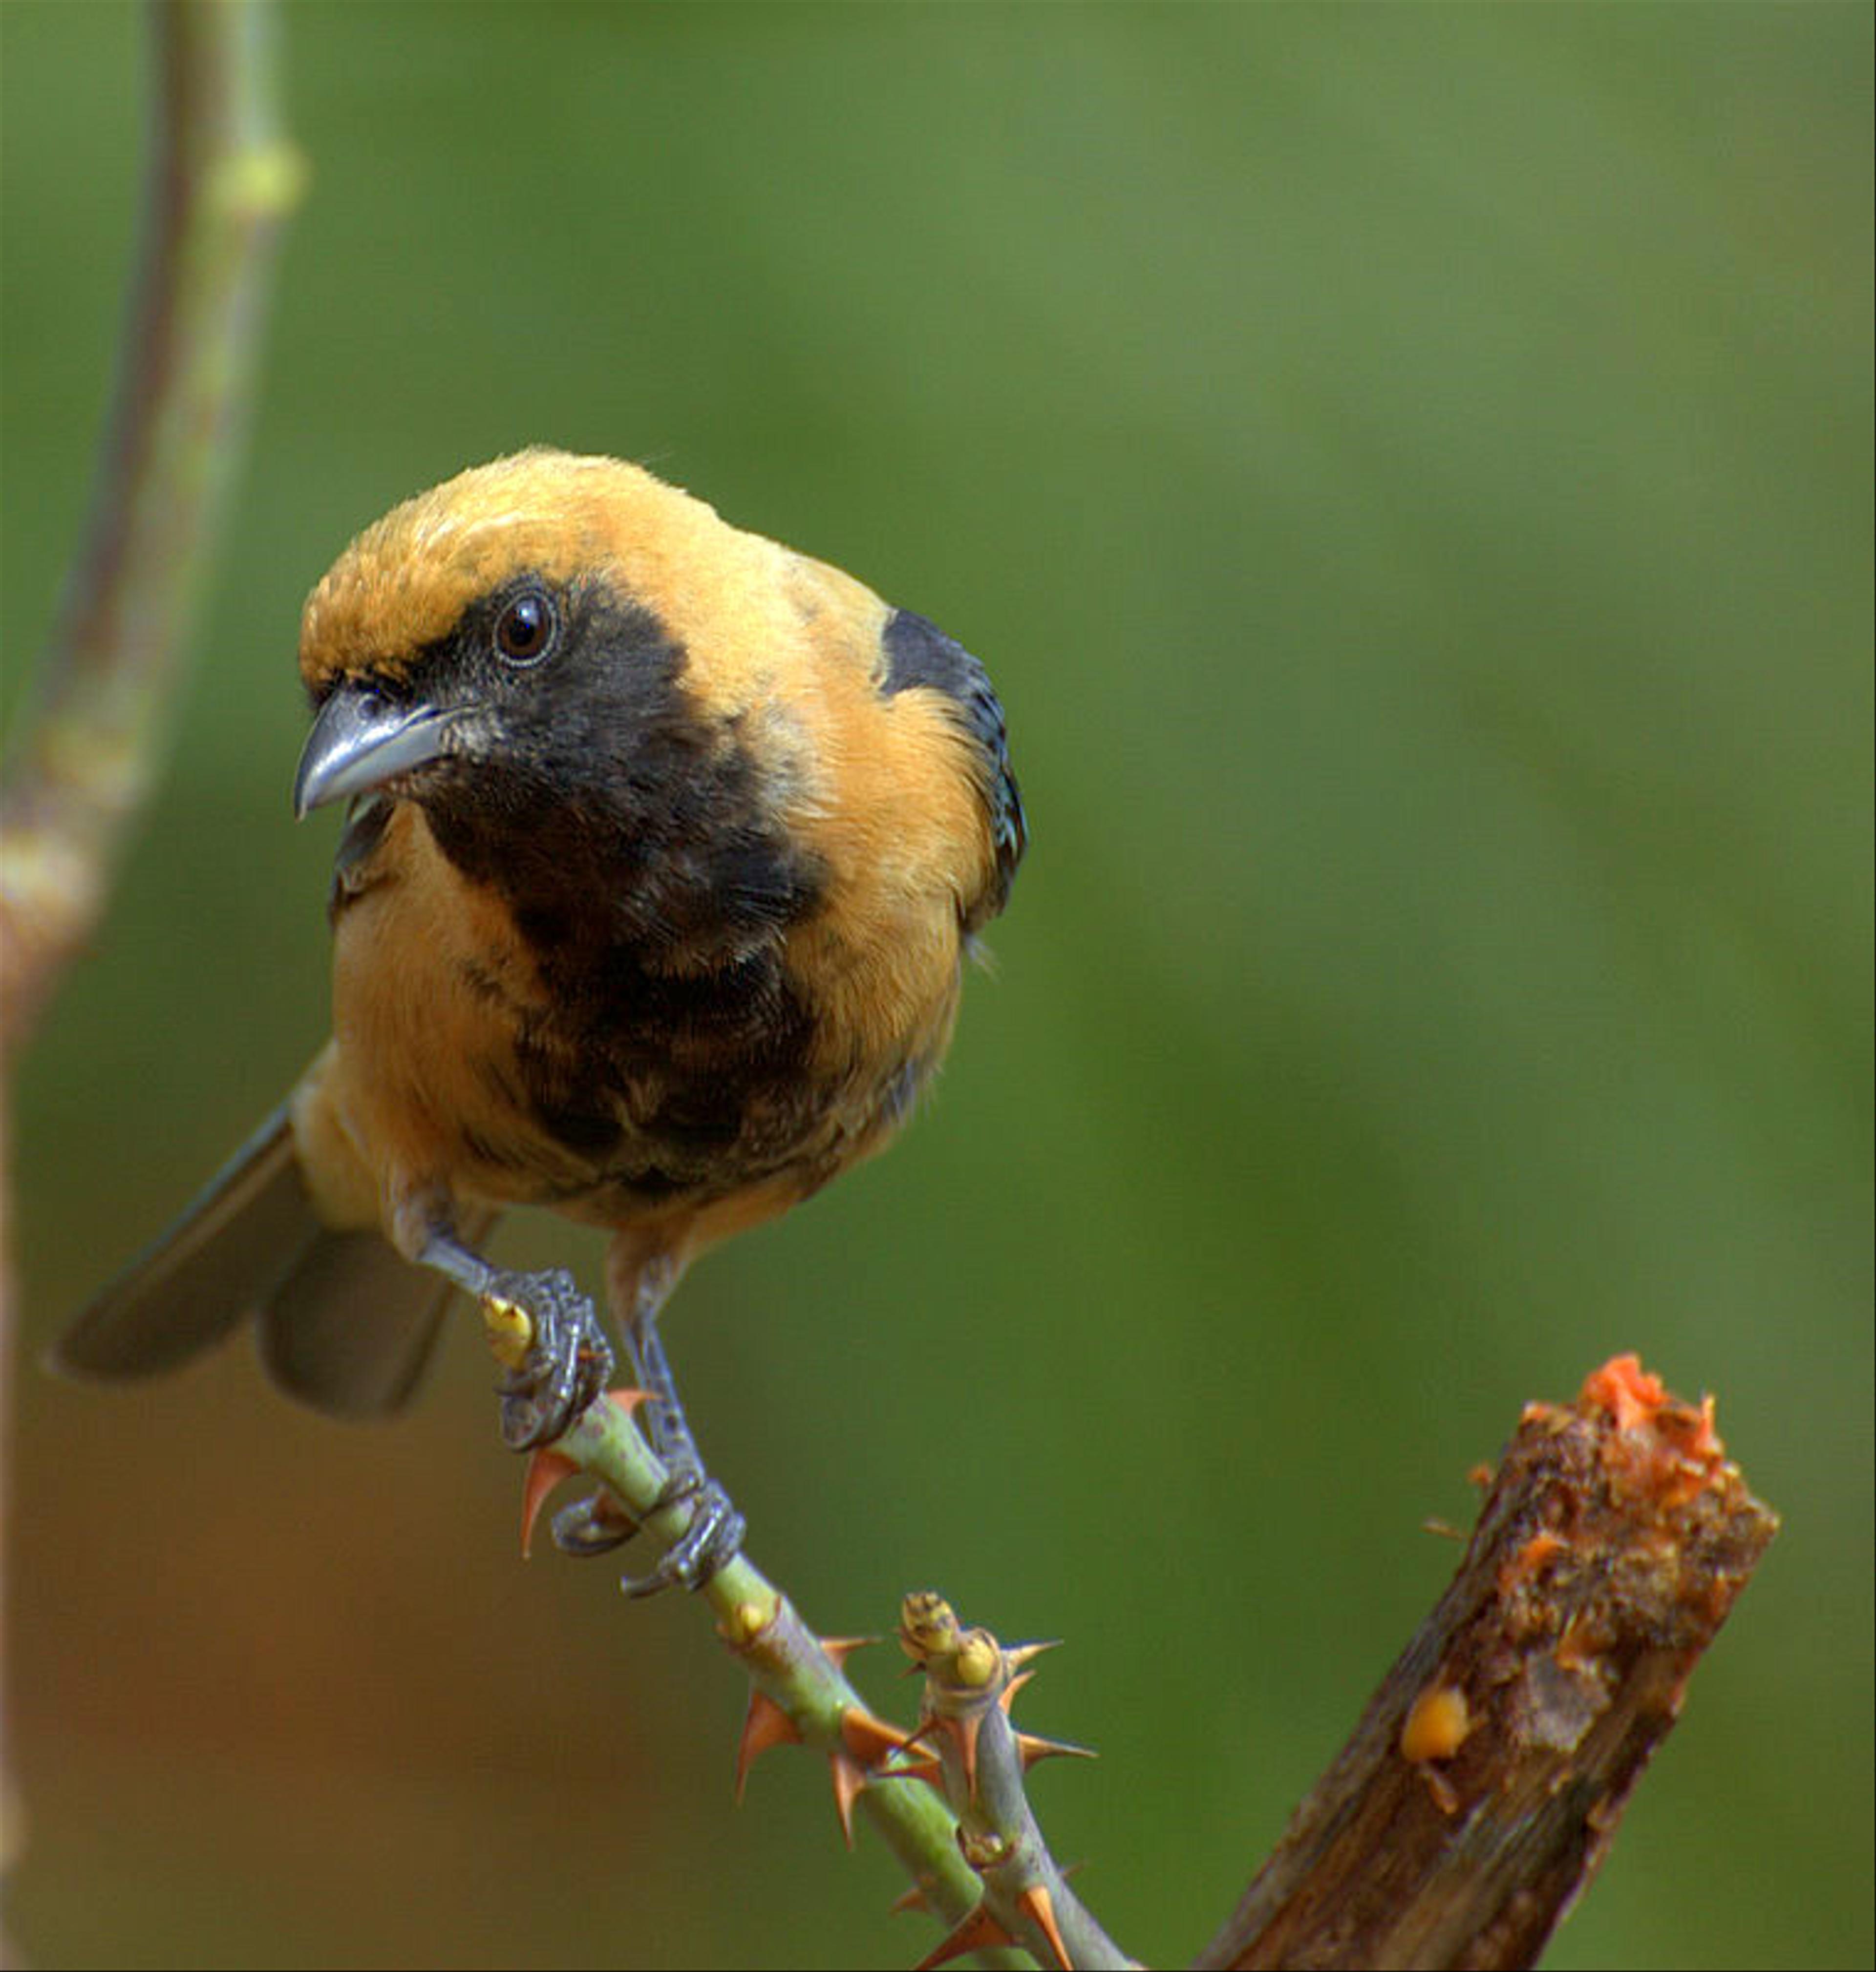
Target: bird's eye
{"x":525,"y":628}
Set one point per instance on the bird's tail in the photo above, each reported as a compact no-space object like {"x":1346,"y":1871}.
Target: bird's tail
{"x":342,"y":1321}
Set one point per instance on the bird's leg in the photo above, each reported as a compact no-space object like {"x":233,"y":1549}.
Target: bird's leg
{"x":665,"y":1424}
{"x":568,"y":1360}
{"x":715,"y":1535}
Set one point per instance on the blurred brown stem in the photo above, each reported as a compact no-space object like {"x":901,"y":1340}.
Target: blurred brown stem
{"x":221,"y":179}
{"x":1486,"y":1778}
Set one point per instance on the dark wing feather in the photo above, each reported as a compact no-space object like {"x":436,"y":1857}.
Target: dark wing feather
{"x":216,"y":1264}
{"x":343,"y":1323}
{"x":919,"y":653}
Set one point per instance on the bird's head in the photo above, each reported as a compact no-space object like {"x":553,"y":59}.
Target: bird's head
{"x":582,"y":675}
{"x":496,"y":631}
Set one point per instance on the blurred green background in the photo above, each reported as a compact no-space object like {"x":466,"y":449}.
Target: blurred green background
{"x":1409,"y":473}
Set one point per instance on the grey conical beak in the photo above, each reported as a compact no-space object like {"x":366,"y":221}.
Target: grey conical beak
{"x":361,"y":739}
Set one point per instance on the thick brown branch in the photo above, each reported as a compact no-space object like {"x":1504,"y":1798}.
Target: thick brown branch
{"x":1486,"y":1778}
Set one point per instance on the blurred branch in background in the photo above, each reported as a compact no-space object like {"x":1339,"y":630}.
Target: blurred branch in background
{"x":221,"y":179}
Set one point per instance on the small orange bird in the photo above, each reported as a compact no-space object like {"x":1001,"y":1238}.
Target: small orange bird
{"x":665,"y":848}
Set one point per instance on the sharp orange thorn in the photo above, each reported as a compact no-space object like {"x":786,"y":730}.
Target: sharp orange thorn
{"x":869,"y":1740}
{"x":980,"y":1931}
{"x":917,"y":1761}
{"x":849,"y":1778}
{"x":545,"y":1469}
{"x":1033,"y":1747}
{"x":914,"y":1899}
{"x":928,"y":1770}
{"x":1007,"y":1697}
{"x":627,"y":1399}
{"x":1017,"y":1655}
{"x":924,"y":1731}
{"x":766,"y":1725}
{"x":1035,"y":1905}
{"x":964,"y":1731}
{"x":839,"y":1649}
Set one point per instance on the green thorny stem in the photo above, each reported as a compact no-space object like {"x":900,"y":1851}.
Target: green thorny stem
{"x":970,"y":1681}
{"x":220,"y":180}
{"x":965,"y":1870}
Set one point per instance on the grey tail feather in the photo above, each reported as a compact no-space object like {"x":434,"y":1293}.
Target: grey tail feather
{"x":343,"y":1322}
{"x":350,"y":1327}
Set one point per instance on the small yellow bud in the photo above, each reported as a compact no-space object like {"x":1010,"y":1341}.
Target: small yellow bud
{"x":979,"y":1658}
{"x":741,"y":1625}
{"x":927,"y":1624}
{"x":984,"y":1849}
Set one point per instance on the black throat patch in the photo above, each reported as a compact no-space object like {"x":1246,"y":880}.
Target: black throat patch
{"x":637,"y":847}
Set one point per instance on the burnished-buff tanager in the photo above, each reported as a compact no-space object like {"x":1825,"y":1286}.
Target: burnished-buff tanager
{"x":666,"y":847}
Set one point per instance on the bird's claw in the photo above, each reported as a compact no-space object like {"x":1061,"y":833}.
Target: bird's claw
{"x":595,"y":1525}
{"x":547,"y":1329}
{"x":713,"y":1540}
{"x":598,"y":1524}
{"x":567,"y":1363}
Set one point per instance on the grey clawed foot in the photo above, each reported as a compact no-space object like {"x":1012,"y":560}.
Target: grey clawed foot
{"x":713,"y":1540}
{"x":569,"y":1361}
{"x":596,"y":1525}
{"x":567,"y":1366}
